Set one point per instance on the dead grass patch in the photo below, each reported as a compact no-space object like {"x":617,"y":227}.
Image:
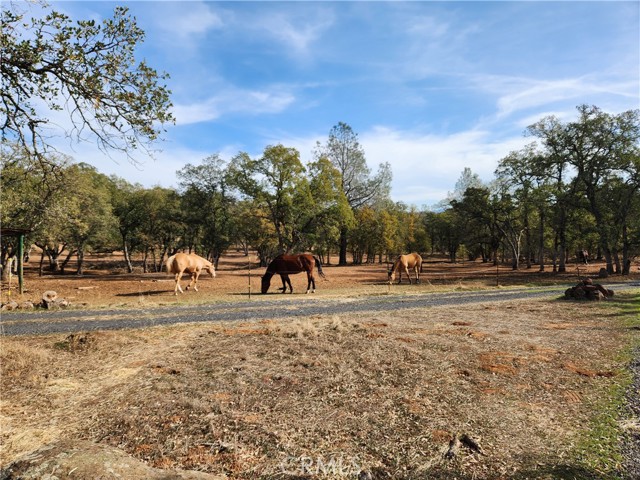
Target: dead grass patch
{"x":587,"y":372}
{"x":245,"y":398}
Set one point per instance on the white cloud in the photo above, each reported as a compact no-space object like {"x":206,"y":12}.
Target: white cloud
{"x":296,"y":33}
{"x":149,"y":172}
{"x":426,"y":27}
{"x":232,"y":100}
{"x":426,"y":166}
{"x":186,"y":20}
{"x":515,"y":94}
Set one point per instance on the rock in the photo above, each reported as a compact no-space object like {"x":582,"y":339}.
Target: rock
{"x":88,"y":460}
{"x":579,"y":292}
{"x":49,"y":296}
{"x":594,"y":295}
{"x":26,"y":306}
{"x":12,"y":305}
{"x":587,"y":290}
{"x":602,"y":290}
{"x":63,"y":303}
{"x":50,"y":301}
{"x":603,"y":273}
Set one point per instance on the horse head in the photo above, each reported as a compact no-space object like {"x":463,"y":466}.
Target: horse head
{"x":391,"y":275}
{"x":210,"y":268}
{"x":266,"y":281}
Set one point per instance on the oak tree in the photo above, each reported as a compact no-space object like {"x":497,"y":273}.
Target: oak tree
{"x":86,"y":69}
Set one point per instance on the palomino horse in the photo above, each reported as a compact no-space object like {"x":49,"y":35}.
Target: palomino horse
{"x":285,"y":265}
{"x":190,"y":263}
{"x":404,"y":263}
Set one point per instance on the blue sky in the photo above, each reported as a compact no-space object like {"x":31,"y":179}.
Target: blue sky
{"x":430,"y":87}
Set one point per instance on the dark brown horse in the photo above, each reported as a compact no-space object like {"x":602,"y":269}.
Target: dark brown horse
{"x":285,"y":265}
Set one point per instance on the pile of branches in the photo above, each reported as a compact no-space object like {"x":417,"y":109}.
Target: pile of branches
{"x":587,"y":290}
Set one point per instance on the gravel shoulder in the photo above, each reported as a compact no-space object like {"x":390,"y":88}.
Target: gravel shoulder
{"x":68,"y":321}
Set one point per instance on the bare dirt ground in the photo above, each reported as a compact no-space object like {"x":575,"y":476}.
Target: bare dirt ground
{"x":507,"y":390}
{"x":106,"y":283}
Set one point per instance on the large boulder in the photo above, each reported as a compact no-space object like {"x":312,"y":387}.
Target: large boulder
{"x":84,"y":460}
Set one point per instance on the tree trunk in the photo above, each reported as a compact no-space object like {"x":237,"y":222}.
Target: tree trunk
{"x":5,"y":266}
{"x":616,"y":262}
{"x":66,"y":260}
{"x":53,"y":254}
{"x":343,"y":247}
{"x":144,"y":260}
{"x":626,"y":246}
{"x":541,"y":241}
{"x":80,"y":255}
{"x":127,"y":257}
{"x":41,"y":263}
{"x":562,"y":247}
{"x":527,"y":239}
{"x":608,"y":258}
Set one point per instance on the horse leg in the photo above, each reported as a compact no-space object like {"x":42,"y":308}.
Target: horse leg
{"x":196,"y":275}
{"x":177,"y":287}
{"x":311,"y":282}
{"x":406,"y":270}
{"x":191,"y":281}
{"x":290,"y":286}
{"x":417,"y":270}
{"x":284,"y":278}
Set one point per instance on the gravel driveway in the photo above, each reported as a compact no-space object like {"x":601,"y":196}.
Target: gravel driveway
{"x":270,"y":307}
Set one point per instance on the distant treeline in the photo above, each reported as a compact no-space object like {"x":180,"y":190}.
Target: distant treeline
{"x":576,"y":187}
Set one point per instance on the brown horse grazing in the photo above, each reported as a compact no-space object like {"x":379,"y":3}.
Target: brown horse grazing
{"x":190,"y":263}
{"x":285,"y":265}
{"x":405,"y":262}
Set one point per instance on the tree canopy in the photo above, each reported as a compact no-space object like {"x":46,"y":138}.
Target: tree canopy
{"x":359,"y":187}
{"x":85,"y":68}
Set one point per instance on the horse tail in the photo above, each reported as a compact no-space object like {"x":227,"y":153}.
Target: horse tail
{"x":319,"y":267}
{"x":169,"y":263}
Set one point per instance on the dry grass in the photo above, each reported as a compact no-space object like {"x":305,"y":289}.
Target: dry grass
{"x":275,"y":399}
